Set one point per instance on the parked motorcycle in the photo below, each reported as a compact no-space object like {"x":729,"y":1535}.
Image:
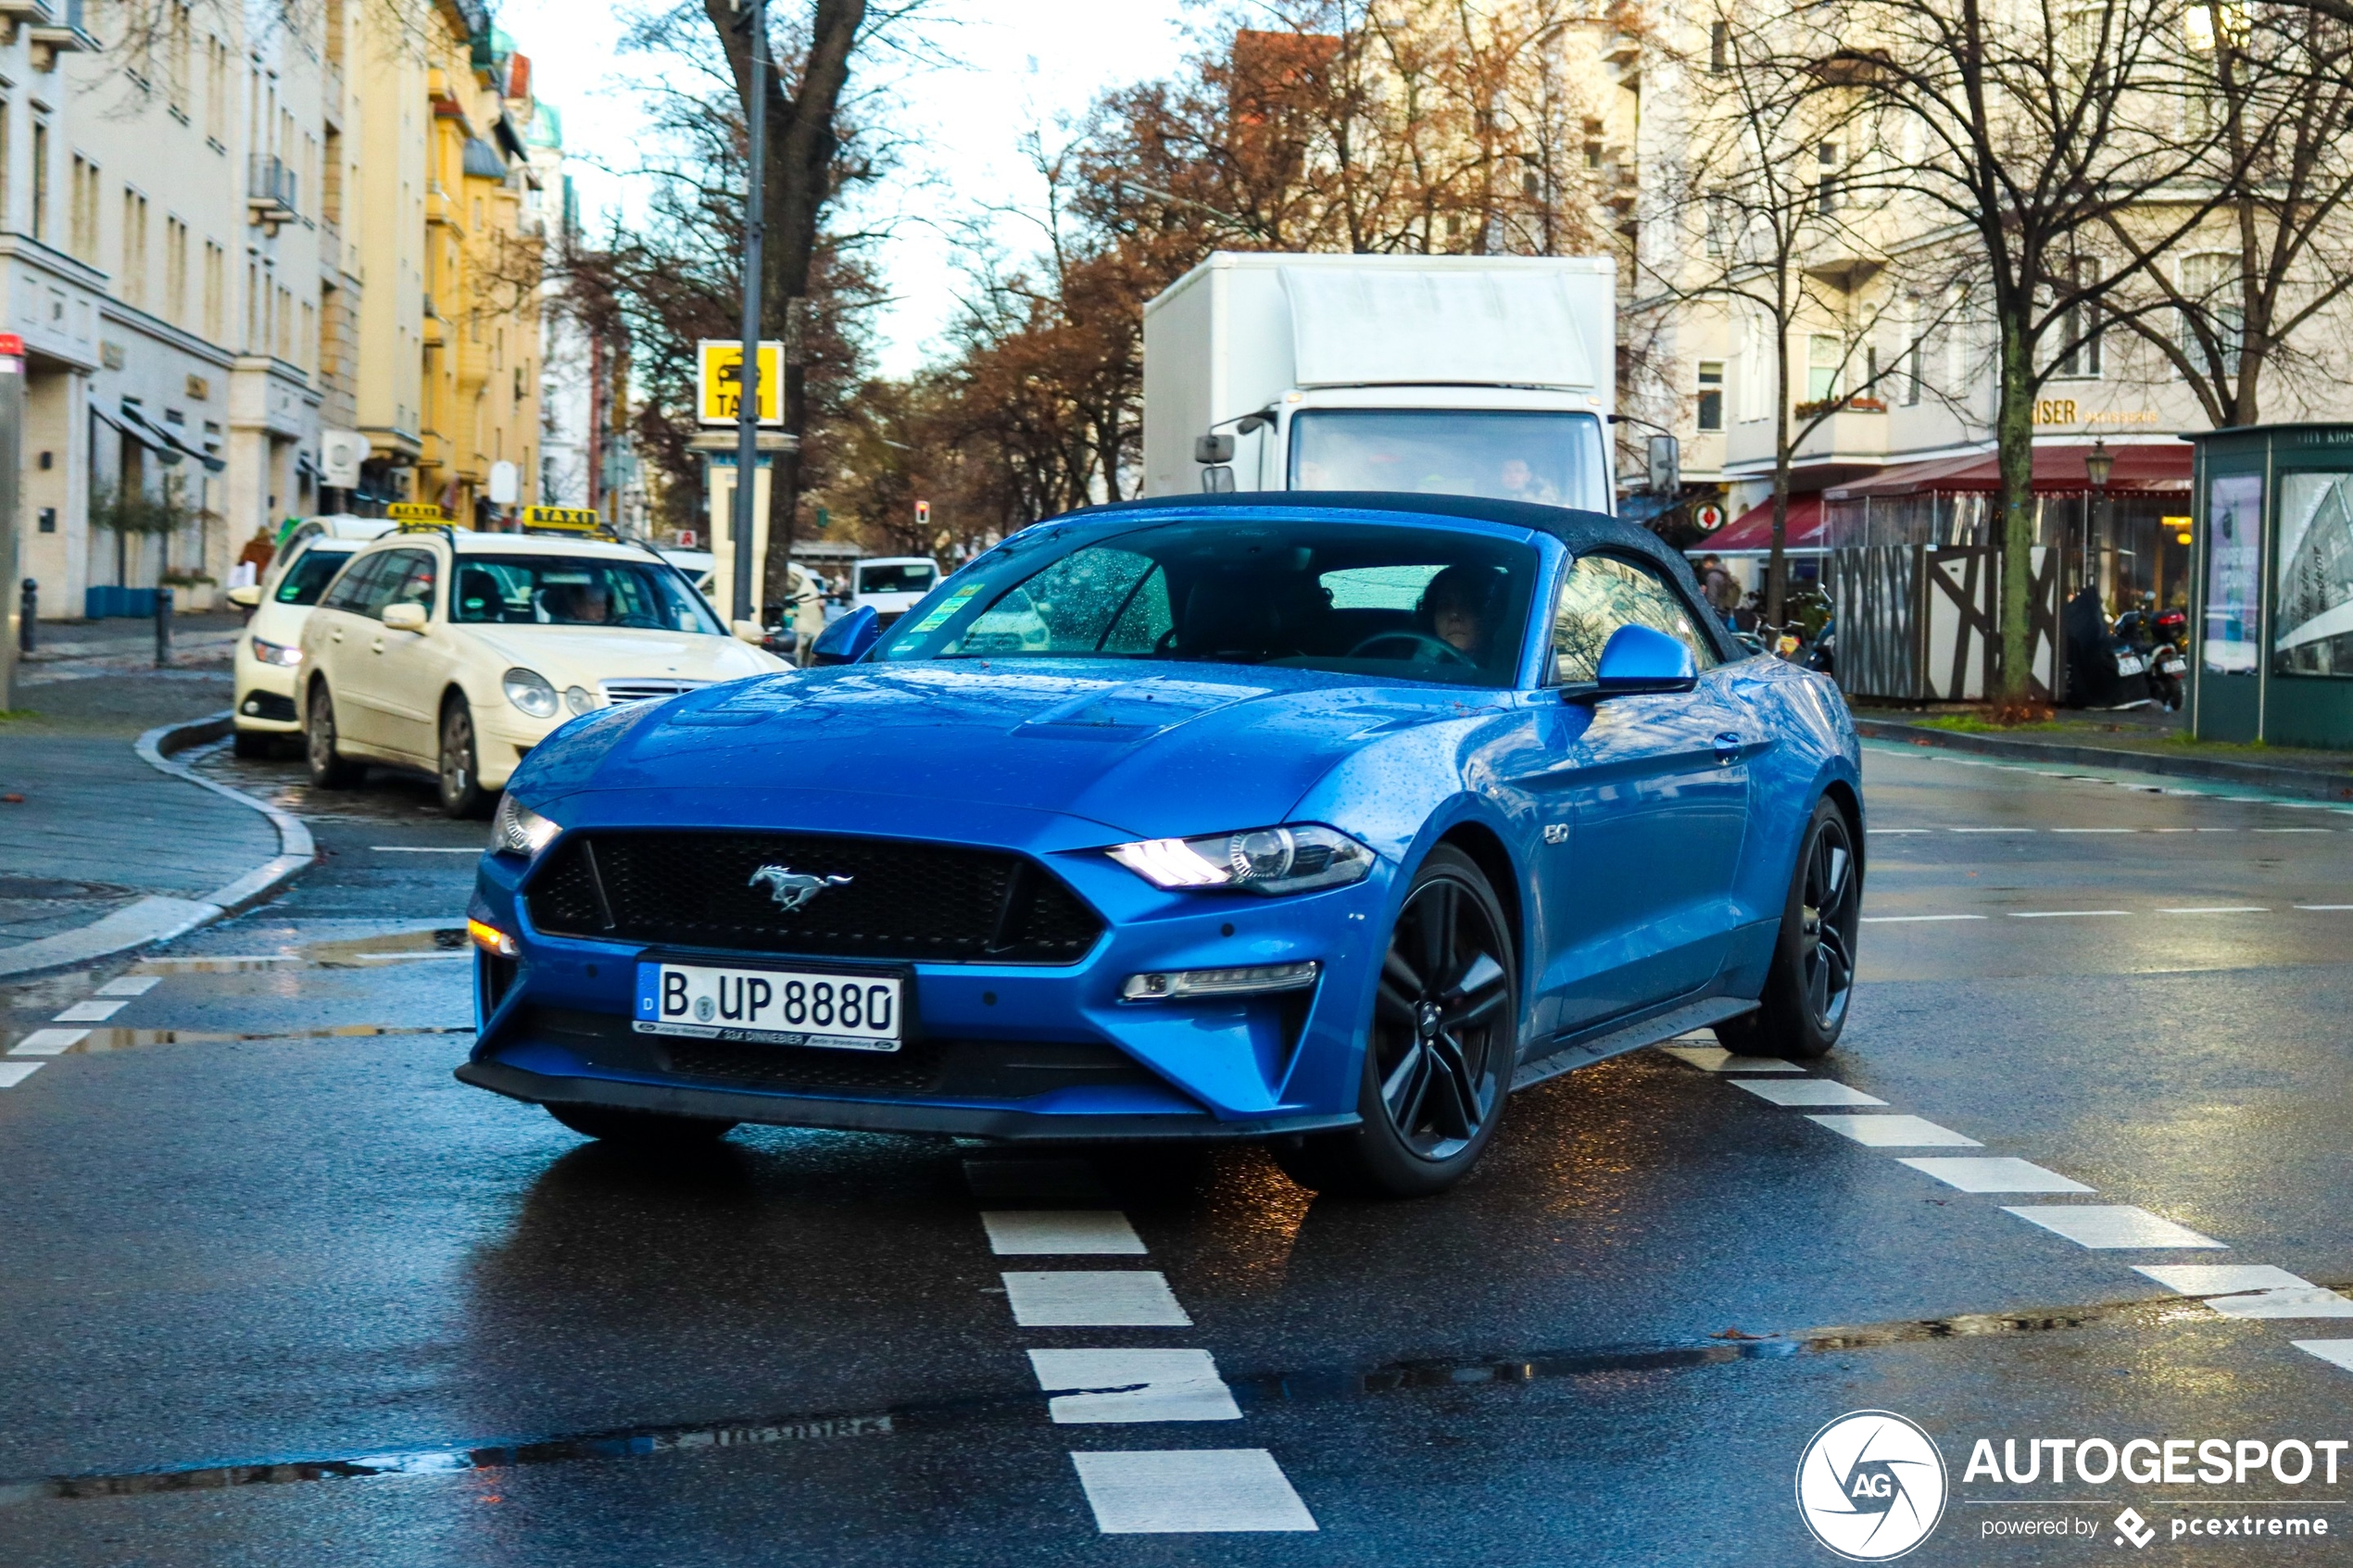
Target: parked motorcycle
{"x":2158,"y":640}
{"x":2103,"y":669}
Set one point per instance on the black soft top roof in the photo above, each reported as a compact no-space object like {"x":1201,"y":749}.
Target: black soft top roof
{"x":1580,"y":531}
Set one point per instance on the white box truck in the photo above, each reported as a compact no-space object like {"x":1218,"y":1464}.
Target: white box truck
{"x":1472,"y":375}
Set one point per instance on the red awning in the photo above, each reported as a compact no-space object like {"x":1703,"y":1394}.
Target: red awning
{"x":2157,"y":467}
{"x":1753,"y":530}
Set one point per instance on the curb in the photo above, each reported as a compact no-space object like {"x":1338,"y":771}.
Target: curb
{"x":159,"y":918}
{"x":2303,"y":783}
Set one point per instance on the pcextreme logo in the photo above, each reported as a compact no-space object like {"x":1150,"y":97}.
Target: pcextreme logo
{"x":1870,"y":1486}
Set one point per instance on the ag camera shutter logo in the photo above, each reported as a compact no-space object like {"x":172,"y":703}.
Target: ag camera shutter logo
{"x":1871,"y":1486}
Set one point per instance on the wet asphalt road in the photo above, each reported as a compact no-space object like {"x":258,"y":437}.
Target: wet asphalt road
{"x":251,"y":1220}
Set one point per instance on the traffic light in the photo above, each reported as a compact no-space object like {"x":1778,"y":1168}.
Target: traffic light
{"x":823,"y":517}
{"x":922,"y":514}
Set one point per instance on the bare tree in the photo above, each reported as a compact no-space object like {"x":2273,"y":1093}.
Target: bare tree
{"x":2019,"y":132}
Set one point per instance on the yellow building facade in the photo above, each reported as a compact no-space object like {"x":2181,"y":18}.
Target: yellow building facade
{"x":454,"y":217}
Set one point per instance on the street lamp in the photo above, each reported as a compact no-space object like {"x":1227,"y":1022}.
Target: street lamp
{"x":748,"y":596}
{"x":2098,"y":464}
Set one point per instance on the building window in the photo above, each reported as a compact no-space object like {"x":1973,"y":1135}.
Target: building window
{"x":216,"y":268}
{"x":175,"y":271}
{"x":132,"y":284}
{"x":2078,"y":326}
{"x":1755,"y":380}
{"x":1711,"y":394}
{"x":40,"y":180}
{"x":1823,"y":353}
{"x":81,"y":220}
{"x":2210,"y":290}
{"x":216,"y":96}
{"x":1913,"y":372}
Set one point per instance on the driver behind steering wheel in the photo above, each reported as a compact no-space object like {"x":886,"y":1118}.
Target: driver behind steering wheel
{"x":1461,"y":608}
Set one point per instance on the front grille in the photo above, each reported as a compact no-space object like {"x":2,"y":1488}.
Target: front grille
{"x":905,"y":902}
{"x":619,"y":692}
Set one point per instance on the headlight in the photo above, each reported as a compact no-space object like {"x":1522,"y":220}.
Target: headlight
{"x":275,"y":653}
{"x":519,"y":829}
{"x":1286,"y":859}
{"x":578,"y":700}
{"x":528,"y":690}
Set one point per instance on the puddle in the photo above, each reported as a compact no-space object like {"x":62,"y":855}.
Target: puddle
{"x":1278,"y":1388}
{"x":102,"y":1038}
{"x":443,"y":942}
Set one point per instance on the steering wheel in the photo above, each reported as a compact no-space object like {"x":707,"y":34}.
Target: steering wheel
{"x":1422,"y":645}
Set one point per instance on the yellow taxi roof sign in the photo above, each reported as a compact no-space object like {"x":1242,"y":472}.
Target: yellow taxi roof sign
{"x":580,"y":520}
{"x":415,"y":512}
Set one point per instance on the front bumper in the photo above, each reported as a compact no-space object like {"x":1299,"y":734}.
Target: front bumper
{"x":264,"y":694}
{"x":1001,"y":1051}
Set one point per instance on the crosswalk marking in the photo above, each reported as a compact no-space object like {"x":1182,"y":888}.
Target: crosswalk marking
{"x":1107,"y":1386}
{"x":1190,"y":1491}
{"x":1094,"y":1299}
{"x":1038,"y":1232}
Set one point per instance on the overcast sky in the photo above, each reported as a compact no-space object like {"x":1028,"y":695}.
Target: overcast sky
{"x":1017,"y":66}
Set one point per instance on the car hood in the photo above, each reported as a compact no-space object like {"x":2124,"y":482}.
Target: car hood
{"x":579,"y":653}
{"x":1149,"y":749}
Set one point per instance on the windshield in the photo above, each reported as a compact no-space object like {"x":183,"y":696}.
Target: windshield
{"x":309,"y":576}
{"x":577,"y":591}
{"x":1420,"y":604}
{"x":1552,"y":459}
{"x":901,"y":577}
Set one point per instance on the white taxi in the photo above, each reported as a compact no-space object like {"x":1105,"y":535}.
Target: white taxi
{"x":269,"y":654}
{"x":455,"y":652}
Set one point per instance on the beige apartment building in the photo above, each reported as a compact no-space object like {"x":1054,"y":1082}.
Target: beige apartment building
{"x":228,"y":229}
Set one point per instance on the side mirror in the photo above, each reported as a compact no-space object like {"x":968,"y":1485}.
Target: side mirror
{"x":1667,"y":466}
{"x":404,"y":618}
{"x":1217,"y":479}
{"x":750,"y":631}
{"x":1213,"y":448}
{"x":847,"y":640}
{"x":1636,"y":659}
{"x":247,"y":596}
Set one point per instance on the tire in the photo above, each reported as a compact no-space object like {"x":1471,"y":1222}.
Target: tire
{"x":254,"y":744}
{"x":1812,"y":977}
{"x":1438,"y":1050}
{"x":329,"y":768}
{"x":459,"y":766}
{"x":640,"y":1129}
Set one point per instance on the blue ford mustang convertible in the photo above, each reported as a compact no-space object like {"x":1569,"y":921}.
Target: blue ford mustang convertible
{"x":1325,"y":820}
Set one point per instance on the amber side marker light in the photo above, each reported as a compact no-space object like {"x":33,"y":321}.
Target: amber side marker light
{"x":490,"y":939}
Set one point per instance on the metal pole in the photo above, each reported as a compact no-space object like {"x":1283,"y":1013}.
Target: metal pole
{"x":748,"y":411}
{"x":163,"y":628}
{"x":28,"y":611}
{"x":12,"y":370}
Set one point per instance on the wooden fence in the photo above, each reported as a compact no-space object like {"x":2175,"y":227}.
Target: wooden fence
{"x":1920,"y":622}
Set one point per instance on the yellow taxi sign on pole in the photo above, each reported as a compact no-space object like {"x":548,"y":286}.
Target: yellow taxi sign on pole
{"x":406,"y":513}
{"x":719,"y":381}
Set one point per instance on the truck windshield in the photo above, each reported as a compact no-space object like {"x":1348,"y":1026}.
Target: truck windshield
{"x":1504,"y":455}
{"x":897,"y":577}
{"x":1417,"y":604}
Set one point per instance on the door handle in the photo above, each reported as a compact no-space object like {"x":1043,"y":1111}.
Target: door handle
{"x":339,"y":634}
{"x":379,"y":646}
{"x":1728,"y":747}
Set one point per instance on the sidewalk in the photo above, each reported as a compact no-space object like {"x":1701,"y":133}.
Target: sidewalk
{"x":103,"y":848}
{"x":2143,"y":743}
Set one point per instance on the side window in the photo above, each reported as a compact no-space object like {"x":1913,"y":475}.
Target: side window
{"x":1602,"y":593}
{"x":351,"y":588}
{"x":403,"y":575}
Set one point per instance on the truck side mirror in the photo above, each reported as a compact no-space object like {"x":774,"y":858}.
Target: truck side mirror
{"x":1217,"y":479}
{"x":1213,"y":449}
{"x":1667,"y":466}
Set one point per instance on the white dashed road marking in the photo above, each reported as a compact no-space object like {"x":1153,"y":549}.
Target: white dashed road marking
{"x":2108,"y":1225}
{"x":1094,"y":1299}
{"x":1040,"y":1232}
{"x":2219,"y":909}
{"x":131,"y":985}
{"x":49,"y":1042}
{"x":1716,"y":1058}
{"x":425,"y":849}
{"x":2220,"y":1279}
{"x":91,"y":1012}
{"x":15,"y":1072}
{"x":2337,"y":1352}
{"x":1188,"y":1491}
{"x":1806,"y":1091}
{"x":2097,"y":830}
{"x":1993,"y":1172}
{"x":1895,"y":1131}
{"x":2062,"y":914}
{"x":1915,"y":920}
{"x":1102,"y":1386}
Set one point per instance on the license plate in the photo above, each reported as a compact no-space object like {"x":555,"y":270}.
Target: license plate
{"x":2128,"y":665}
{"x":855,"y":1011}
{"x":2174,"y":667}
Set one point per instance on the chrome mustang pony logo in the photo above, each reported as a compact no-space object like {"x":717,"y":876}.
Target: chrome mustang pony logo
{"x":792,"y":889}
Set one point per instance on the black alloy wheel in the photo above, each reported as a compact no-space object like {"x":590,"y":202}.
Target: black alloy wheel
{"x":329,"y":768}
{"x":1441,"y":1050}
{"x":1812,"y":978}
{"x":461,"y":792}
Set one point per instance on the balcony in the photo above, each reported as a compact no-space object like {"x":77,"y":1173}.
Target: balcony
{"x":55,"y":28}
{"x":269,"y":192}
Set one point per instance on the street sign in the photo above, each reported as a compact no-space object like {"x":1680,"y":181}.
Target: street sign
{"x":1710,"y":517}
{"x":719,"y":381}
{"x":506,"y":483}
{"x":340,"y":454}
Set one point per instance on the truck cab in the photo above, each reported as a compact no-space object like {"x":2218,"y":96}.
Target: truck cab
{"x":1486,"y":376}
